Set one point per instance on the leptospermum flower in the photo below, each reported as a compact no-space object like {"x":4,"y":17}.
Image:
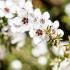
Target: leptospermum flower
{"x":64,"y":65}
{"x":58,"y":50}
{"x":18,"y":24}
{"x":18,"y":38}
{"x":24,"y":4}
{"x":40,"y":49}
{"x":54,"y":31}
{"x":7,"y":9}
{"x":38,"y":35}
{"x":41,"y":19}
{"x":40,"y":23}
{"x":42,"y":60}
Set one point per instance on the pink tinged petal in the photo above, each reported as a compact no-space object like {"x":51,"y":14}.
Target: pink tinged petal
{"x":46,"y":16}
{"x":12,"y":6}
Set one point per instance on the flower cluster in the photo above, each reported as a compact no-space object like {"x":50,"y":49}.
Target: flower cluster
{"x":22,"y":18}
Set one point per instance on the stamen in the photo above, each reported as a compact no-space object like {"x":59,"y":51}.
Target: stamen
{"x":6,"y":9}
{"x":39,"y":32}
{"x":25,"y":20}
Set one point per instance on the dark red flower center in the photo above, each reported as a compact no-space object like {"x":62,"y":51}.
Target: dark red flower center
{"x":42,"y":21}
{"x":25,"y":20}
{"x":39,"y":32}
{"x":6,"y":9}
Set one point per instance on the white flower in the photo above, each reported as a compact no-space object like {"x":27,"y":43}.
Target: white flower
{"x":21,"y":12}
{"x":64,"y":65}
{"x":16,"y":65}
{"x":40,"y":49}
{"x":41,"y":20}
{"x":20,"y":3}
{"x":60,"y":32}
{"x":64,"y":42}
{"x":19,"y":24}
{"x":42,"y":60}
{"x":15,"y":25}
{"x":17,"y":37}
{"x":67,"y":9}
{"x":55,"y":67}
{"x":40,"y":24}
{"x":27,"y":5}
{"x":58,"y":50}
{"x":7,"y":9}
{"x":38,"y":14}
{"x":55,"y":25}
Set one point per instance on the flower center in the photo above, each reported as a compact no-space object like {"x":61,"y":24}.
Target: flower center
{"x":42,"y":21}
{"x":6,"y":9}
{"x":39,"y":32}
{"x":35,"y":20}
{"x":25,"y":20}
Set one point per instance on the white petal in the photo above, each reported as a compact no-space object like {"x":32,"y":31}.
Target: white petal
{"x":55,"y":24}
{"x":65,"y":65}
{"x":46,"y":15}
{"x":55,"y":67}
{"x":32,"y":33}
{"x":47,"y":24}
{"x":21,"y":12}
{"x":35,"y":52}
{"x":21,"y":3}
{"x":60,"y":32}
{"x":16,"y":65}
{"x":1,"y":13}
{"x":42,"y":60}
{"x":58,"y":51}
{"x":9,"y":15}
{"x":1,"y":4}
{"x":37,"y":13}
{"x":17,"y":37}
{"x":29,"y":6}
{"x":37,"y":40}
